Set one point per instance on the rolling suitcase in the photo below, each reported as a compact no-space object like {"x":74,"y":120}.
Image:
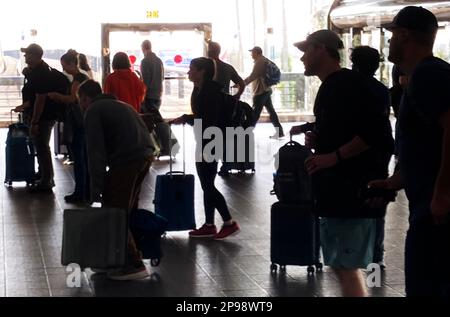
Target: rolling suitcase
{"x":58,"y":147}
{"x":147,"y":229}
{"x":95,"y":237}
{"x":243,"y":158}
{"x":19,"y":153}
{"x":174,"y":197}
{"x":294,"y":237}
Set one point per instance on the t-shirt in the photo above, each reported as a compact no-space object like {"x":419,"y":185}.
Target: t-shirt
{"x":40,"y":81}
{"x":224,"y":74}
{"x":346,"y":107}
{"x":419,"y":133}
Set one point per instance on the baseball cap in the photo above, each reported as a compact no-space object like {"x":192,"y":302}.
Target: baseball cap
{"x":325,"y":37}
{"x":33,"y":49}
{"x":256,"y":49}
{"x":414,"y":18}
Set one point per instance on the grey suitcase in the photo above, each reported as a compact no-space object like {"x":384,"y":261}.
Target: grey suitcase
{"x":95,"y":237}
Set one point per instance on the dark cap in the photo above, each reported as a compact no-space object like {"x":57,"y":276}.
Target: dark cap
{"x":325,"y":37}
{"x":256,"y":49}
{"x":33,"y":49}
{"x":415,"y":19}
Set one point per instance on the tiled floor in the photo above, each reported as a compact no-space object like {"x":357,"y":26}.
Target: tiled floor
{"x":31,"y":229}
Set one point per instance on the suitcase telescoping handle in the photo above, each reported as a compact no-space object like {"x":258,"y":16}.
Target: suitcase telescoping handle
{"x":184,"y":153}
{"x":20,"y":116}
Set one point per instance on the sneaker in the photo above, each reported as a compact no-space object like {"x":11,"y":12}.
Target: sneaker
{"x":129,"y":273}
{"x":227,"y":231}
{"x":40,"y":188}
{"x":99,"y":271}
{"x":204,"y":232}
{"x":74,"y":198}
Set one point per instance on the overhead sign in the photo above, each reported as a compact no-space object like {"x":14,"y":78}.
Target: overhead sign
{"x":153,"y":14}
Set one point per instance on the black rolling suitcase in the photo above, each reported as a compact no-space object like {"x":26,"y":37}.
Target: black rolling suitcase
{"x":19,"y":155}
{"x":294,"y":237}
{"x":147,"y":229}
{"x":243,"y":158}
{"x":95,"y":237}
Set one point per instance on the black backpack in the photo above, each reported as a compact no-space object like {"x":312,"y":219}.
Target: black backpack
{"x":237,"y":113}
{"x":273,"y":73}
{"x":291,"y":181}
{"x":61,"y":84}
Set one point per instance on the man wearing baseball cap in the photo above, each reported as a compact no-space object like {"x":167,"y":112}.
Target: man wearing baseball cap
{"x":423,"y":138}
{"x":348,"y":138}
{"x":262,"y":92}
{"x":44,"y":114}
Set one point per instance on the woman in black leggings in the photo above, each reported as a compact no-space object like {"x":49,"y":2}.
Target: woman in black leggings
{"x":206,"y":105}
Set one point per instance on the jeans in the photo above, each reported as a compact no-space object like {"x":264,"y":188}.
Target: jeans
{"x":80,"y":164}
{"x":121,"y":190}
{"x":42,"y":144}
{"x":212,"y":198}
{"x":427,"y":255}
{"x":265,"y":100}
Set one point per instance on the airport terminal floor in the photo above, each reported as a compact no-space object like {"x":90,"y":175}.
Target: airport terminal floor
{"x":31,"y":231}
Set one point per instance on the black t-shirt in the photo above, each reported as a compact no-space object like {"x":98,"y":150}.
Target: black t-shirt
{"x":346,"y":107}
{"x":40,"y":82}
{"x":419,"y":133}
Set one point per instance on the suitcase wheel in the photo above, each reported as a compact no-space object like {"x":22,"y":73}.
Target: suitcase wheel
{"x":311,"y":270}
{"x":319,"y":267}
{"x":282,"y":268}
{"x":9,"y":183}
{"x":154,"y":262}
{"x":273,"y":268}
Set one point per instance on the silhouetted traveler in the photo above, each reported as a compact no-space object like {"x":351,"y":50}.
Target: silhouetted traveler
{"x":84,"y":66}
{"x":347,"y":141}
{"x":225,"y":73}
{"x":423,"y":140}
{"x":207,"y":106}
{"x":73,"y":125}
{"x":117,"y":139}
{"x":123,"y":83}
{"x":44,"y":115}
{"x":262,"y":92}
{"x":152,"y":72}
{"x":366,"y":60}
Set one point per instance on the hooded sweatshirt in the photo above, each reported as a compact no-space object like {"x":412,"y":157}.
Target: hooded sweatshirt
{"x":126,"y":86}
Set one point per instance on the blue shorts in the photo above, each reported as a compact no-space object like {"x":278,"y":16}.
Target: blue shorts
{"x":347,"y":243}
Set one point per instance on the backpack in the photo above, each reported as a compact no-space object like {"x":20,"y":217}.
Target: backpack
{"x":237,"y":113}
{"x":273,"y":73}
{"x":291,"y":181}
{"x":61,"y":84}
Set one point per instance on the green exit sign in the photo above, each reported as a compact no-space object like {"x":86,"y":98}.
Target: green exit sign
{"x":153,"y":14}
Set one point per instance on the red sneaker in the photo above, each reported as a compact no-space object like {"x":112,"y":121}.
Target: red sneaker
{"x":204,"y":231}
{"x":227,"y":231}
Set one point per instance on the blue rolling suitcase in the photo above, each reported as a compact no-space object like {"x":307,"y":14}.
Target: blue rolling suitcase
{"x":19,"y":155}
{"x":174,"y":198}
